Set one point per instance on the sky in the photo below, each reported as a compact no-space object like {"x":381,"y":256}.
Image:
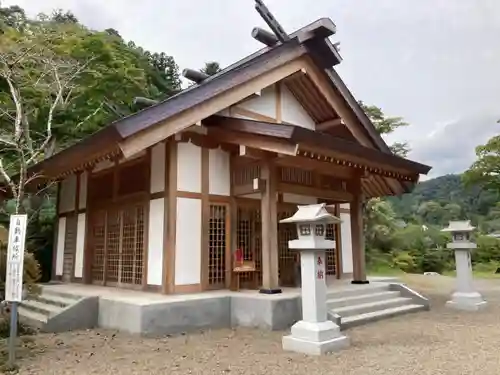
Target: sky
{"x":433,"y":62}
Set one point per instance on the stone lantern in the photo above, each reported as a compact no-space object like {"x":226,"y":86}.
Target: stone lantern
{"x":314,"y":334}
{"x":465,"y":297}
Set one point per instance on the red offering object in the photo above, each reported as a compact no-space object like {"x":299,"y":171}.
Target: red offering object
{"x":238,"y":255}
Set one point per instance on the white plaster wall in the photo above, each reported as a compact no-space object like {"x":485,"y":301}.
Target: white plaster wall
{"x":61,"y":231}
{"x":80,"y":245}
{"x":188,"y":242}
{"x":345,"y":233}
{"x":189,"y":167}
{"x":67,"y":195}
{"x":293,"y":112}
{"x":265,"y":103}
{"x":219,"y":172}
{"x":158,"y":168}
{"x":299,"y":199}
{"x":155,"y":241}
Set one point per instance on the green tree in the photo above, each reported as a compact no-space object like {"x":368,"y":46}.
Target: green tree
{"x":386,"y":125}
{"x":211,"y":68}
{"x":485,"y":171}
{"x":431,"y":213}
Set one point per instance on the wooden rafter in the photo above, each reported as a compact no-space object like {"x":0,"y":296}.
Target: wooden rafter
{"x":329,"y":124}
{"x":213,"y":105}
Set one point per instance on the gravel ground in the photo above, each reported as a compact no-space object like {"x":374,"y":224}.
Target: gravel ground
{"x":441,"y":341}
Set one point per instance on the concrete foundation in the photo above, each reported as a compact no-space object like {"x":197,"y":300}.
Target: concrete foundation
{"x":472,"y":301}
{"x":315,"y":338}
{"x":155,"y":314}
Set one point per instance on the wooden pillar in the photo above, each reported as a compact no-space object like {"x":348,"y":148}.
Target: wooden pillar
{"x":269,"y":214}
{"x":357,"y":235}
{"x":170,"y":217}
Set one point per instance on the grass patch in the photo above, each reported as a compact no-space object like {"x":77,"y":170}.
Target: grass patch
{"x":384,"y":270}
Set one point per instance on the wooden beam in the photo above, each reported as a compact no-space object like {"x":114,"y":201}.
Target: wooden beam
{"x":163,"y":130}
{"x":254,"y":153}
{"x":337,"y":103}
{"x":252,"y":115}
{"x":278,"y":146}
{"x":342,"y":196}
{"x":329,"y":124}
{"x":170,"y":218}
{"x":264,"y":36}
{"x":269,"y":215}
{"x":321,"y":167}
{"x":258,"y":185}
{"x":357,"y":235}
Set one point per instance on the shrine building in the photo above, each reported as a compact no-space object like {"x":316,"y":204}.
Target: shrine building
{"x":185,"y":196}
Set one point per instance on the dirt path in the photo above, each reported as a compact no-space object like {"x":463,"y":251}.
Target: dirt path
{"x":441,"y":341}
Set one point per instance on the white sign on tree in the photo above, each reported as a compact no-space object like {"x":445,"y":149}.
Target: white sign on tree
{"x":15,"y":258}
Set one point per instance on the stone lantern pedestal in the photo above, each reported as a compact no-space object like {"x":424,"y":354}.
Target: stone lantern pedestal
{"x":465,"y":297}
{"x":314,"y":334}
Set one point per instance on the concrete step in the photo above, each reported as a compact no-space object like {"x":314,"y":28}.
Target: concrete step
{"x":356,"y":290}
{"x":54,"y":300}
{"x":56,"y":293}
{"x":32,"y":318}
{"x":39,"y":307}
{"x":356,"y":320}
{"x":336,"y":303}
{"x":371,"y":306}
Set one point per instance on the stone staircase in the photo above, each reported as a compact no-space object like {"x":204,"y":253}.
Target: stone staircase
{"x":361,"y":304}
{"x":53,"y":311}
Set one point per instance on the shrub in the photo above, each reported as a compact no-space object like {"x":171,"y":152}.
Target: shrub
{"x":404,"y":261}
{"x":31,"y":274}
{"x":434,"y":260}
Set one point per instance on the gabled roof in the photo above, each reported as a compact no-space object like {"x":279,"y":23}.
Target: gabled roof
{"x":311,"y":40}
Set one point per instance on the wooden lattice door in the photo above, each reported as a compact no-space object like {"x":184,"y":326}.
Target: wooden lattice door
{"x":249,"y":240}
{"x":117,"y":245}
{"x":218,"y":245}
{"x":287,"y":258}
{"x":331,"y":268}
{"x":69,"y":247}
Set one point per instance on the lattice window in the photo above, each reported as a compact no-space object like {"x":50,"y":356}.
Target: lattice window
{"x":69,"y":247}
{"x":217,"y":245}
{"x":245,"y":175}
{"x":113,"y":246}
{"x":139,"y":245}
{"x":248,"y":238}
{"x":296,"y":176}
{"x":287,"y":257}
{"x":98,"y":242}
{"x":330,"y":253}
{"x":128,"y":246}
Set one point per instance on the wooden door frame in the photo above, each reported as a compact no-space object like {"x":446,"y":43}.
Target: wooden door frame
{"x":205,"y":259}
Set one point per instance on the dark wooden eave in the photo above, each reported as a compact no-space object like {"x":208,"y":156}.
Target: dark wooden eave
{"x":300,"y":135}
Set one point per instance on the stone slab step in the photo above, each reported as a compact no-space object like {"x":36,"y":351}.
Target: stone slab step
{"x":56,"y":293}
{"x":55,"y":300}
{"x":356,"y":320}
{"x":32,"y":318}
{"x":41,"y":308}
{"x":336,"y":303}
{"x":356,"y":290}
{"x":371,"y":306}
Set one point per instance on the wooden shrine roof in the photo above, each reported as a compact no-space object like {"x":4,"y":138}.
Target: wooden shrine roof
{"x":311,"y":41}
